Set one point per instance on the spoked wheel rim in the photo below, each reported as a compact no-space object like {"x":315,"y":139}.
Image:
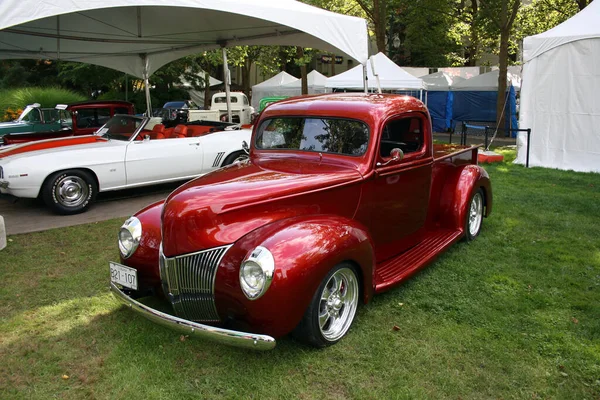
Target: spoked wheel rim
{"x":71,"y":191}
{"x":475,"y":214}
{"x":339,"y":300}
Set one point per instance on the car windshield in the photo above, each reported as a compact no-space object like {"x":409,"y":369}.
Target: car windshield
{"x":327,"y":135}
{"x":120,"y":127}
{"x":30,"y":114}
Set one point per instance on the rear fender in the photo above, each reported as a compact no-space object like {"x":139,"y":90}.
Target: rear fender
{"x":305,"y":249}
{"x":457,"y":194}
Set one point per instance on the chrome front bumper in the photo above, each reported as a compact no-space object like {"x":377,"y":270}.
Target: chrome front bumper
{"x":225,"y":336}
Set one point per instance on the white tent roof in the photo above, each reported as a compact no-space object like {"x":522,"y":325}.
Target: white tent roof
{"x":135,"y":36}
{"x":314,"y":78}
{"x":282,"y":78}
{"x":487,"y":82}
{"x":391,"y":76}
{"x":584,"y":25}
{"x":441,"y":81}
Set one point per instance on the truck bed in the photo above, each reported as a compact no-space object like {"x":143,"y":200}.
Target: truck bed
{"x":455,"y":152}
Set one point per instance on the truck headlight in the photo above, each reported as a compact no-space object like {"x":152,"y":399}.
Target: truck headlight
{"x":256,"y":273}
{"x":129,"y":236}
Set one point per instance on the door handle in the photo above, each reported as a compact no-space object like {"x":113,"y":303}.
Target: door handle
{"x":194,"y":144}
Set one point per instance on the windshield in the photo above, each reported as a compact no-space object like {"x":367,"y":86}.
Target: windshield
{"x":30,"y":114}
{"x":327,"y":135}
{"x":120,"y":127}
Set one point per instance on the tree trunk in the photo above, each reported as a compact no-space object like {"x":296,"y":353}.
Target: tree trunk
{"x":207,"y":97}
{"x":503,"y":66}
{"x":303,"y":75}
{"x":474,"y":35}
{"x":380,"y":20}
{"x":246,"y":77}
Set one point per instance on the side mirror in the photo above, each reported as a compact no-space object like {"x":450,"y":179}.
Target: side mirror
{"x":396,"y":154}
{"x":245,"y":147}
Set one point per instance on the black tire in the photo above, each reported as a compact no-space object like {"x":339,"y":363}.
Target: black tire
{"x":319,"y":326}
{"x":233,"y":157}
{"x":69,"y":192}
{"x":474,"y":215}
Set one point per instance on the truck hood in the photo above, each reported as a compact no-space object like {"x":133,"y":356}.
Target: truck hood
{"x":219,"y":208}
{"x":6,"y":127}
{"x":50,"y":145}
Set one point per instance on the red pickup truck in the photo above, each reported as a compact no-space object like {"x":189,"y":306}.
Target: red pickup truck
{"x":344,"y":196}
{"x":76,"y":119}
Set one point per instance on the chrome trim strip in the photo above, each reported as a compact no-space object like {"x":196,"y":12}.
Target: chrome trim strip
{"x":232,"y":338}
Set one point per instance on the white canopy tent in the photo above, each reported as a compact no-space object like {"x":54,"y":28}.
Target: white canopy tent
{"x":441,"y":81}
{"x":487,"y":82}
{"x":315,"y":81}
{"x":391,"y":77}
{"x":274,"y":86}
{"x":559,"y":98}
{"x":140,"y":36}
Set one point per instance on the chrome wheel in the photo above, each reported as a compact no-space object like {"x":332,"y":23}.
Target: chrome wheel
{"x":475,"y":214}
{"x":338,"y":302}
{"x":71,"y":191}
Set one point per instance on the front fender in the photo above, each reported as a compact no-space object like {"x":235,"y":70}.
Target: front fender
{"x":457,"y":194}
{"x":145,"y":258}
{"x":305,"y":249}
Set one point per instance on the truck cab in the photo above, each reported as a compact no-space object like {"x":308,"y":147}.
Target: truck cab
{"x":241,"y":109}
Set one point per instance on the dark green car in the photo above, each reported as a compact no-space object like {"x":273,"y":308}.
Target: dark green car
{"x":36,"y":119}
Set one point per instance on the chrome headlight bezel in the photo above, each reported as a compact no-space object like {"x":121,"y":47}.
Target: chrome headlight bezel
{"x":259,"y":260}
{"x":132,"y":227}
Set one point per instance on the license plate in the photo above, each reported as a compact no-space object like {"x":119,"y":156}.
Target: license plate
{"x":123,"y":275}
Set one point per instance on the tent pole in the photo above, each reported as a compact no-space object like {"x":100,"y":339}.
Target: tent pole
{"x":365,"y":78}
{"x":147,"y":86}
{"x":227,"y":82}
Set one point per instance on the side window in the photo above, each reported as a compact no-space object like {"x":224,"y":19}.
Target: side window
{"x":92,"y":117}
{"x":121,"y":110}
{"x":403,"y":133}
{"x":33,"y":116}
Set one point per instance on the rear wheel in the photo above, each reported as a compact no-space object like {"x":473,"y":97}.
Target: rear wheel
{"x":332,"y":308}
{"x":69,"y":192}
{"x":474,"y":216}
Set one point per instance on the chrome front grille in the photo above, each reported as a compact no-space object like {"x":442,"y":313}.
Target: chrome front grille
{"x":189,"y":282}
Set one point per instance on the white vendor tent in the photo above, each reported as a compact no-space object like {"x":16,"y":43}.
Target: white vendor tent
{"x":315,"y":82}
{"x":441,"y":81}
{"x":487,"y":82}
{"x":559,"y":98}
{"x":391,"y":77}
{"x":140,"y":36}
{"x":275,"y":86}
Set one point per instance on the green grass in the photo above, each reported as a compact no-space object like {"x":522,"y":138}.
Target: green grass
{"x":514,"y":314}
{"x":46,"y":97}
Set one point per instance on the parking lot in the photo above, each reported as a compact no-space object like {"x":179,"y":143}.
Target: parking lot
{"x":32,"y":215}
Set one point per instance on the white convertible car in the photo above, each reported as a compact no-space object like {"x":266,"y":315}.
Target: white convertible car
{"x":127,"y":152}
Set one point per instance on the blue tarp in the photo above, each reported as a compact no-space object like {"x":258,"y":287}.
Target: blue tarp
{"x":481,"y":107}
{"x":440,"y":107}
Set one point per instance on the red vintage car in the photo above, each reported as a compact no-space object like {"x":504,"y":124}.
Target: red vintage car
{"x":344,"y":196}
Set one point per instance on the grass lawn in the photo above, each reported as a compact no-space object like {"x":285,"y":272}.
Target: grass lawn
{"x":514,"y":314}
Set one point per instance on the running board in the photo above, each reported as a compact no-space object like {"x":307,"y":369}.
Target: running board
{"x":394,"y":271}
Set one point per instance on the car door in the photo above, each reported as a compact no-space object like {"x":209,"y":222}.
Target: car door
{"x":155,"y":160}
{"x":396,"y":198}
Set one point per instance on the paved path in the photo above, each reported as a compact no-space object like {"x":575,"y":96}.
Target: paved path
{"x":31,"y":215}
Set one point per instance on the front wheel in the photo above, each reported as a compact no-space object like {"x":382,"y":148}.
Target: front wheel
{"x":332,"y":308}
{"x":236,"y":156}
{"x":69,"y":192}
{"x":474,"y":216}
